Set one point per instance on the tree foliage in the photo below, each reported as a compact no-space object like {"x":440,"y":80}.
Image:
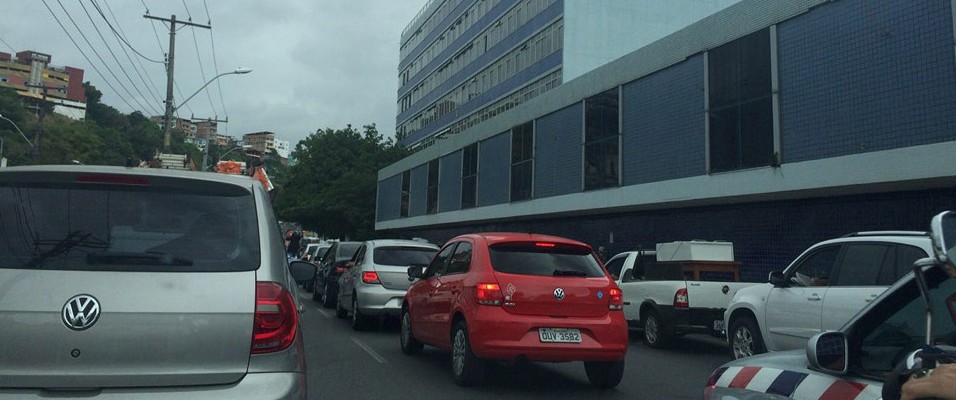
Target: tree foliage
{"x":331,"y":189}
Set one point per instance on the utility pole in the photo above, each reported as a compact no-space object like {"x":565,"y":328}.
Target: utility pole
{"x":41,"y":110}
{"x":170,"y":107}
{"x":209,"y":121}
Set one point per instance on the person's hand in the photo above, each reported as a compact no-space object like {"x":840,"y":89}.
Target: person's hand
{"x":941,"y":384}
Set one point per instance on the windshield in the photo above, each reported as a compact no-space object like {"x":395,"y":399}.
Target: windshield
{"x":81,"y":228}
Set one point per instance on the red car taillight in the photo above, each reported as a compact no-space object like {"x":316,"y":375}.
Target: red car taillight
{"x":276,"y":319}
{"x":489,"y":294}
{"x":616,"y":298}
{"x":680,"y":298}
{"x":370,"y":277}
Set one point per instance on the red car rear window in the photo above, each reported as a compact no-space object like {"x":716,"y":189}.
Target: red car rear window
{"x":544,"y":259}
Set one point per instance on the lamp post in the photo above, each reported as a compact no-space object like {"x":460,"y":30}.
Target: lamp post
{"x":167,"y":120}
{"x":1,"y":139}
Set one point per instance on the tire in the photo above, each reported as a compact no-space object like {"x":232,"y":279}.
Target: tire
{"x":359,"y":322}
{"x":745,"y":338}
{"x":309,"y":286}
{"x":327,"y":300}
{"x":410,"y":345}
{"x":467,"y":369}
{"x":341,"y":312}
{"x":654,"y":335}
{"x":316,"y":296}
{"x":604,"y":374}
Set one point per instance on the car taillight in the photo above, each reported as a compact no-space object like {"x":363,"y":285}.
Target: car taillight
{"x":370,"y":277}
{"x":680,"y":298}
{"x":616,"y":298}
{"x":276,"y":319}
{"x":715,"y":376}
{"x":489,"y":294}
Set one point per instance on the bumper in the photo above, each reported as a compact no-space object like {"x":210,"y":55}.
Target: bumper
{"x":276,"y":385}
{"x":495,"y":334}
{"x":694,"y":320}
{"x":375,"y":300}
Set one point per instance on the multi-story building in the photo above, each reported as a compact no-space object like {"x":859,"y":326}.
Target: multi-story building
{"x":263,"y":142}
{"x":772,"y":124}
{"x":282,"y":148}
{"x":465,"y":61}
{"x":31,"y":75}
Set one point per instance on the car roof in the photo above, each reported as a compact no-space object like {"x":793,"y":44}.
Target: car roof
{"x":37,"y":173}
{"x":400,"y":242}
{"x":493,"y":238}
{"x":913,"y":238}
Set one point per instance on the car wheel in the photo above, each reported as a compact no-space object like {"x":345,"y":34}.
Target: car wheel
{"x":745,"y":338}
{"x":340,"y":311}
{"x":467,"y":368}
{"x":604,"y":374}
{"x":316,"y":296}
{"x":654,"y":335}
{"x":359,"y":322}
{"x":308,"y":286}
{"x":327,"y":300}
{"x":410,"y":345}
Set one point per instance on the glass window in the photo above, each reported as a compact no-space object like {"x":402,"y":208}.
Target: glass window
{"x":155,"y":227}
{"x":815,"y":269}
{"x":461,"y":260}
{"x":406,"y":187}
{"x":522,"y":158}
{"x":402,"y":256}
{"x":741,"y":103}
{"x":544,"y":259}
{"x":901,"y":264}
{"x":469,"y":176}
{"x":431,"y":205}
{"x":601,"y":141}
{"x":438,"y":264}
{"x":360,"y":255}
{"x":861,"y":264}
{"x":614,"y":266}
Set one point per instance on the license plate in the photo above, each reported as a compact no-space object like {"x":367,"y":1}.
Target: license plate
{"x":559,"y":335}
{"x":719,"y":325}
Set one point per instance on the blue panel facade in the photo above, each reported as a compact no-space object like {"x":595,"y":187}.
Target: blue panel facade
{"x":663,"y":125}
{"x":558,"y":152}
{"x":449,"y":182}
{"x":858,"y":76}
{"x":418,"y":191}
{"x":389,"y":203}
{"x":494,"y":170}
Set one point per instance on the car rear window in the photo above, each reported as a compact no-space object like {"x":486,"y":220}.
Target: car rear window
{"x":403,"y":256}
{"x":75,"y":226}
{"x":544,"y":259}
{"x":347,"y":250}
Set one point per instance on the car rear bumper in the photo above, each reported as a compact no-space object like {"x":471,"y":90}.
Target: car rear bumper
{"x":376,"y":300}
{"x":693,"y":320}
{"x":495,"y":334}
{"x":273,"y":385}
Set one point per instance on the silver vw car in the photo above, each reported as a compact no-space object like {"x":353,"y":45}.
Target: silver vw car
{"x":120,"y":283}
{"x":375,"y":284}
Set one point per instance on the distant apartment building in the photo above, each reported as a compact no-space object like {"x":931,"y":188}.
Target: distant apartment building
{"x":263,"y":142}
{"x":282,"y":148}
{"x":32,"y":76}
{"x":465,"y":61}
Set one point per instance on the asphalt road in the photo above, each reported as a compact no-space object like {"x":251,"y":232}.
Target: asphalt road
{"x":344,"y":364}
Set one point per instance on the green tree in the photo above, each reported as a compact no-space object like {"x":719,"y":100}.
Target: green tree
{"x":331,"y":188}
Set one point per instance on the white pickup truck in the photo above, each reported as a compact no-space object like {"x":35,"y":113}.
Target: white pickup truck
{"x":666,"y":302}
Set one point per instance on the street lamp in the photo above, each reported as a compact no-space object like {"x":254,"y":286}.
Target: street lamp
{"x":171,"y":110}
{"x":18,"y":130}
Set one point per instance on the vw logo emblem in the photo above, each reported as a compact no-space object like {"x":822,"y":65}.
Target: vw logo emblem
{"x":559,"y":294}
{"x":81,"y":312}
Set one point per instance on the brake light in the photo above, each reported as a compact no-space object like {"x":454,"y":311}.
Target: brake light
{"x":370,"y":277}
{"x":540,"y":244}
{"x":276,"y":320}
{"x":616,"y":298}
{"x":680,"y":298}
{"x":489,"y":294}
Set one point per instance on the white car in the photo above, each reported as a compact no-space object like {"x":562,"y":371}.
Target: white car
{"x":821,"y":290}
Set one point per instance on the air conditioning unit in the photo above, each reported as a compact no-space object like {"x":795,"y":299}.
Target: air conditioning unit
{"x":695,"y":250}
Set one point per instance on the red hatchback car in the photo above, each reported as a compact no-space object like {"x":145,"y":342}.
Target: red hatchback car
{"x":516,"y":296}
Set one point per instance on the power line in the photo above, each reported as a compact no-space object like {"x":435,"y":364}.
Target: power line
{"x":202,"y":70}
{"x":118,"y":63}
{"x":8,"y":45}
{"x":118,"y":36}
{"x":151,"y":85}
{"x":215,"y":62}
{"x":188,"y":14}
{"x":87,"y":58}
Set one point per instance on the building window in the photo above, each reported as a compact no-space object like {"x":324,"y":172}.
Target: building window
{"x":602,"y":141}
{"x":740,"y":103}
{"x":522,"y":158}
{"x":406,"y":186}
{"x":469,"y":176}
{"x":431,"y":205}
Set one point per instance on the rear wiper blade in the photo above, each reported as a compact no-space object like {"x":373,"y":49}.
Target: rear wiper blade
{"x":564,"y":272}
{"x":72,"y":239}
{"x":146,"y":258}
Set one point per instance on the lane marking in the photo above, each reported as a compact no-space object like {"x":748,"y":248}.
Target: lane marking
{"x":325,"y":313}
{"x":369,"y":350}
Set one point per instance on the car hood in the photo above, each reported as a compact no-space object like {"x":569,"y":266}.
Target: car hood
{"x":786,"y":374}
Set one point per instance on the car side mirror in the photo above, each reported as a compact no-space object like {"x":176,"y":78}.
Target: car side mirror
{"x":302,"y":271}
{"x":415,"y":271}
{"x":943,"y":233}
{"x":828,"y":351}
{"x":777,"y":279}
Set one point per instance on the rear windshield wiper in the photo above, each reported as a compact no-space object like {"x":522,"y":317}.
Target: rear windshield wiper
{"x":146,"y":258}
{"x":566,"y":272}
{"x":72,"y":239}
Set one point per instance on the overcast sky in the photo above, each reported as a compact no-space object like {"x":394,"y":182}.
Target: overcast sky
{"x":316,"y":63}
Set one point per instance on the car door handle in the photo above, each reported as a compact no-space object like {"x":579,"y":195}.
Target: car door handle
{"x":871,"y":298}
{"x":814,"y":297}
